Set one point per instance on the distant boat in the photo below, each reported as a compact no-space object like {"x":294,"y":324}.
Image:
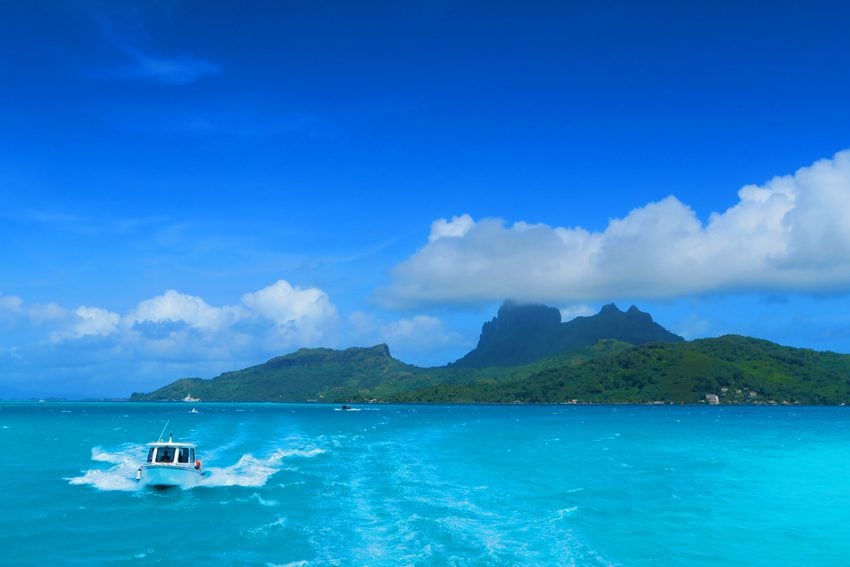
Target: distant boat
{"x":189,"y":398}
{"x":169,"y":464}
{"x":194,"y":411}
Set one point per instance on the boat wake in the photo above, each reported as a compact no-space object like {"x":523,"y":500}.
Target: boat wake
{"x":120,"y":476}
{"x":117,"y":470}
{"x":251,"y":471}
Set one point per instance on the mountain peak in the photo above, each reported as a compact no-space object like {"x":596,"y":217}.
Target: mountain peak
{"x":610,"y":308}
{"x":520,"y":334}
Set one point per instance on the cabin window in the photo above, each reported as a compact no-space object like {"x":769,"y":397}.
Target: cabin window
{"x":191,"y":455}
{"x":184,"y":455}
{"x":150,"y":455}
{"x":165,"y":455}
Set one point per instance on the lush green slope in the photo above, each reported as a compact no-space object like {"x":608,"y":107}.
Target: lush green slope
{"x":355,"y":374}
{"x":737,"y":369}
{"x":308,"y":374}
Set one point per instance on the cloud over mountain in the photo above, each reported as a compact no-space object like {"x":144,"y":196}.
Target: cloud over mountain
{"x":791,"y":234}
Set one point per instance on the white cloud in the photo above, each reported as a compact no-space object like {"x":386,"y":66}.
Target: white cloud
{"x":161,"y":339}
{"x":300,"y":314}
{"x":174,"y":307}
{"x":95,"y":321}
{"x":791,"y":234}
{"x":455,"y":228}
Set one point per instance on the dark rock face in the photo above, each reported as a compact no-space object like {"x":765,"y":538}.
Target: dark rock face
{"x":520,"y":334}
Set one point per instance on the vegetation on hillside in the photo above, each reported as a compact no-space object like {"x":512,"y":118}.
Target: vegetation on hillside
{"x":736,"y":369}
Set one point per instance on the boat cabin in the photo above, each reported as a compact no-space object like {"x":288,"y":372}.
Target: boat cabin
{"x":171,"y":453}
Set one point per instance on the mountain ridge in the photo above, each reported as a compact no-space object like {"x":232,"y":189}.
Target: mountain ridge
{"x":521,"y":333}
{"x":736,"y":369}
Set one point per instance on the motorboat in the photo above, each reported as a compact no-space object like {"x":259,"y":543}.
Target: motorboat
{"x":170,"y":463}
{"x":189,"y":398}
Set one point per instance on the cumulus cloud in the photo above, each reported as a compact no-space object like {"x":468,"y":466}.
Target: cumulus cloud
{"x":94,"y":321}
{"x":456,"y":227}
{"x":160,"y":339}
{"x":174,"y":307}
{"x":295,"y":311}
{"x":791,"y":234}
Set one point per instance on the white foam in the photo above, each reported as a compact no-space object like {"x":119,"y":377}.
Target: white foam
{"x":99,"y":454}
{"x":248,"y":471}
{"x":251,"y":471}
{"x":121,"y":476}
{"x":105,"y":480}
{"x":281,"y":454}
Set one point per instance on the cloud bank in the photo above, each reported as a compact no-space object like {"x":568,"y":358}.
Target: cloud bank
{"x":791,"y":234}
{"x":163,"y":338}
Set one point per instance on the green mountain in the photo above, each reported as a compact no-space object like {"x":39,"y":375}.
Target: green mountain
{"x":737,"y":369}
{"x":521,"y":334}
{"x":308,"y":374}
{"x":612,"y":357}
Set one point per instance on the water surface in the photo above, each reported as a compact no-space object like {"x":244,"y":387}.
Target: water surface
{"x":448,"y":485}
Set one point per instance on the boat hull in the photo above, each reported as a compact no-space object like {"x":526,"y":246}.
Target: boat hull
{"x":166,"y":476}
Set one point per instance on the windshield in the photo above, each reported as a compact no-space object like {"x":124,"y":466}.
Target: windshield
{"x":165,"y":454}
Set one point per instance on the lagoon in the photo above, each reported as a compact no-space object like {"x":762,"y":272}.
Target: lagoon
{"x":306,"y":484}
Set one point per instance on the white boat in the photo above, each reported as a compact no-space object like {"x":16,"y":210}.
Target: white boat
{"x":189,"y":398}
{"x":170,"y":463}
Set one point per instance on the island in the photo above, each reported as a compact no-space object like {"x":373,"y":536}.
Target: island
{"x":525,"y":354}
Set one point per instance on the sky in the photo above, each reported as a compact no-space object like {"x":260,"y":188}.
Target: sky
{"x":191,"y":187}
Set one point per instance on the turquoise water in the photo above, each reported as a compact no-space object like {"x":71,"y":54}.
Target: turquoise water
{"x":441,"y":485}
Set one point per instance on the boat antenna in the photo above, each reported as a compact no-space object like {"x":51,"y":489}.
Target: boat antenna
{"x":163,"y":430}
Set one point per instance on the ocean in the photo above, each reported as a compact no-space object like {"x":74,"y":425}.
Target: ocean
{"x":307,"y":484}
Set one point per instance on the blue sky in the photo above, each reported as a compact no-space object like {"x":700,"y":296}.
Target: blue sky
{"x":193,"y":187}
